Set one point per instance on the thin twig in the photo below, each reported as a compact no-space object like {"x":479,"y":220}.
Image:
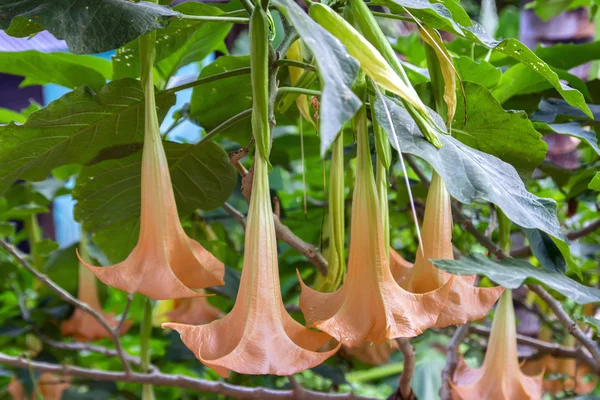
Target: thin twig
{"x":571,"y":326}
{"x":573,"y":235}
{"x":66,"y":296}
{"x":216,"y":18}
{"x":117,"y":328}
{"x":235,"y":214}
{"x":160,"y":379}
{"x":405,"y":391}
{"x":294,"y":63}
{"x":452,"y":360}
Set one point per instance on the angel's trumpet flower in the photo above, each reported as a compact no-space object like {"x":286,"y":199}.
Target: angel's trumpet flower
{"x":295,"y":53}
{"x":569,"y":376}
{"x":500,"y":377}
{"x":465,"y":301}
{"x":258,"y":336}
{"x":373,"y":354}
{"x":48,"y":387}
{"x":370,"y":306}
{"x":192,"y":311}
{"x":82,"y":326}
{"x":165,"y":263}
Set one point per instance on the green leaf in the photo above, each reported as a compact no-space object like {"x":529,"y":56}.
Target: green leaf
{"x":62,"y":268}
{"x":470,"y":175}
{"x":512,"y":273}
{"x":217,"y":101}
{"x":551,"y":110}
{"x":68,"y":70}
{"x":7,"y":116}
{"x":337,"y":70}
{"x":23,"y":211}
{"x":544,"y":249}
{"x":591,"y":321}
{"x":571,"y":129}
{"x":87,"y":26}
{"x":508,"y":135}
{"x":481,"y":72}
{"x":595,"y":182}
{"x":177,"y":45}
{"x":108,"y":192}
{"x":72,"y":129}
{"x":569,"y":55}
{"x":548,"y":9}
{"x":437,"y":16}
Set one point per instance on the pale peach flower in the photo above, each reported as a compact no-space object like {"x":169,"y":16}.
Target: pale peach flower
{"x":49,"y":387}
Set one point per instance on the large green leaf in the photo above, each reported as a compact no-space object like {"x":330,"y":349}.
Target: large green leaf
{"x":481,"y":72}
{"x":437,"y":16}
{"x":337,"y":70}
{"x":108,"y":193}
{"x":546,"y":251}
{"x":595,"y":182}
{"x":64,"y":69}
{"x":508,"y":135}
{"x":179,"y":44}
{"x":7,"y":116}
{"x":73,"y":129}
{"x":512,"y":273}
{"x":215,"y":102}
{"x":470,"y":175}
{"x":568,"y":55}
{"x":88,"y":26}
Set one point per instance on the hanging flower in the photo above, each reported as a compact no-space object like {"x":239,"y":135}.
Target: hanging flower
{"x":373,"y":354}
{"x":500,"y":377}
{"x":192,"y":311}
{"x":370,"y":306}
{"x":83,"y":326}
{"x":49,"y":387}
{"x":400,"y":268}
{"x":465,"y":301}
{"x":165,"y":263}
{"x":562,"y":374}
{"x":258,"y":336}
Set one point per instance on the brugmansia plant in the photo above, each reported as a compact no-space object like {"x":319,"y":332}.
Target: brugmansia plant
{"x":391,"y":153}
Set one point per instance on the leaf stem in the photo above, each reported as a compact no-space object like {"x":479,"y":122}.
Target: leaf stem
{"x":294,"y":63}
{"x":391,"y":16}
{"x":208,"y":79}
{"x":299,"y":90}
{"x":215,"y":18}
{"x":34,"y":236}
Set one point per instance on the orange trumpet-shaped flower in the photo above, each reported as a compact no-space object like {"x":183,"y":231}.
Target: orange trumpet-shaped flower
{"x":165,"y":263}
{"x":370,"y":306}
{"x":258,"y":336}
{"x":373,"y":354}
{"x":49,"y":387}
{"x":500,"y":377}
{"x":569,"y":376}
{"x":401,"y":269}
{"x":82,"y":326}
{"x":465,"y":301}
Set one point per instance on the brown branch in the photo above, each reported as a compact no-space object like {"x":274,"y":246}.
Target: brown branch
{"x":185,"y":382}
{"x":235,"y":214}
{"x":66,"y":296}
{"x":117,"y":328}
{"x":405,"y":391}
{"x":571,"y":326}
{"x":525,"y":251}
{"x":452,"y":360}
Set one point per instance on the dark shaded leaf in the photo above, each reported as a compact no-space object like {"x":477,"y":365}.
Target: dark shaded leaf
{"x":568,"y":55}
{"x":544,"y":249}
{"x":72,"y":129}
{"x":572,"y":129}
{"x":88,"y":26}
{"x":512,"y":273}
